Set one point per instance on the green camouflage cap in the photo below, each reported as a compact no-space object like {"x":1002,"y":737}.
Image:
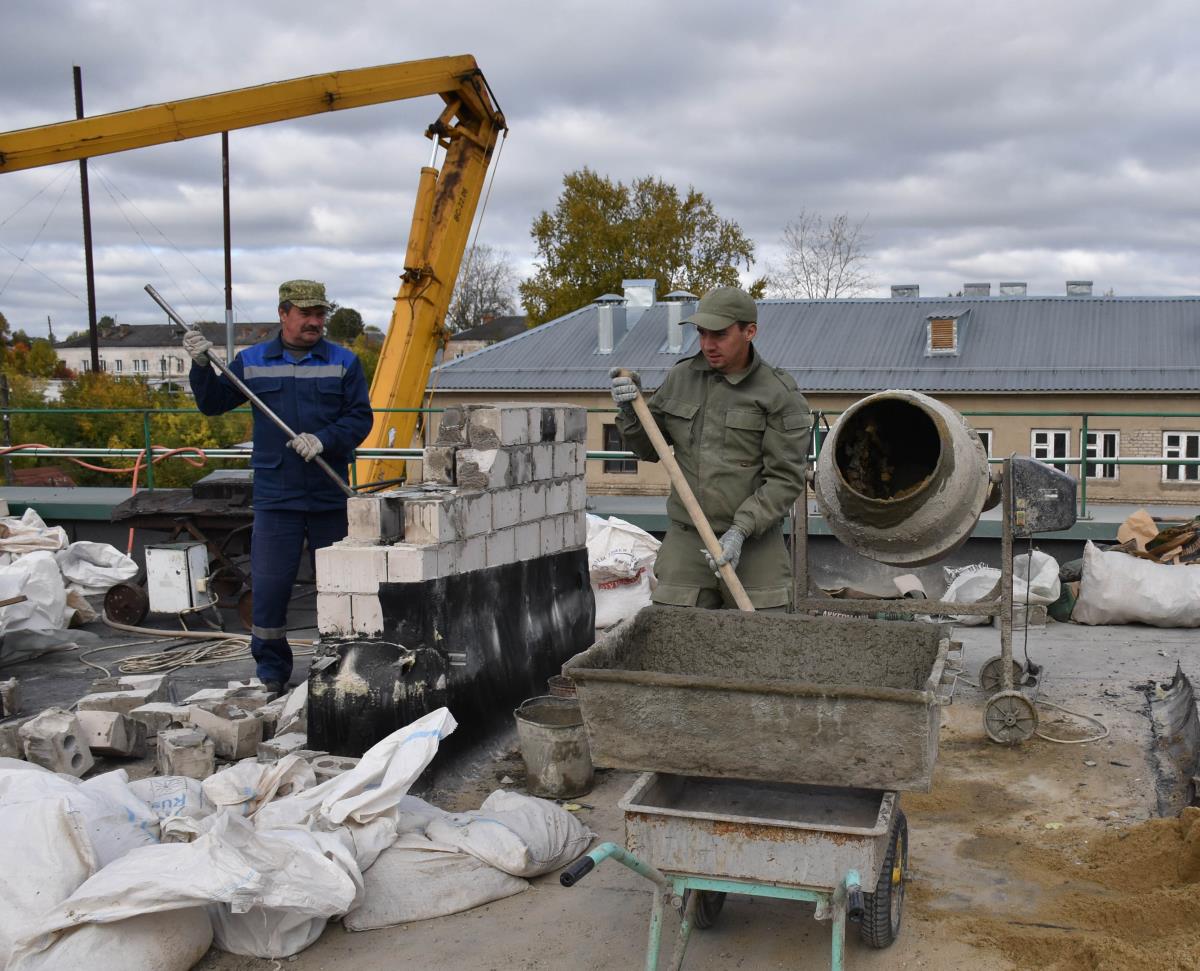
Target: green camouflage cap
{"x":303,"y":293}
{"x":723,"y":307}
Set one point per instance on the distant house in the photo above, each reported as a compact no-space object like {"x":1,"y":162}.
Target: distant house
{"x":1131,"y":365}
{"x":491,"y":331}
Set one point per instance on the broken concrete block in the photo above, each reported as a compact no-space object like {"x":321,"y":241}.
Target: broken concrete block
{"x":54,"y":741}
{"x":235,"y":732}
{"x":564,"y":459}
{"x":347,"y":567}
{"x":501,"y":547}
{"x":377,"y":518}
{"x":113,"y":734}
{"x":543,"y":461}
{"x":407,"y":563}
{"x":429,"y":521}
{"x":452,"y":428}
{"x":187,"y":752}
{"x":282,"y":745}
{"x":328,"y":766}
{"x":496,"y":425}
{"x":10,"y":698}
{"x":308,"y":754}
{"x":366,"y":614}
{"x":333,"y":614}
{"x":119,"y":701}
{"x":12,"y":746}
{"x":439,"y":465}
{"x":160,"y":716}
{"x":133,"y":682}
{"x":483,"y":468}
{"x":506,"y":508}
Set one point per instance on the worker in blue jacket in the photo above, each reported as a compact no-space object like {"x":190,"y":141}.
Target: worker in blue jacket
{"x":319,"y":390}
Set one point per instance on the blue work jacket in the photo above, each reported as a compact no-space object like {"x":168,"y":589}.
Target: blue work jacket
{"x":324,"y":393}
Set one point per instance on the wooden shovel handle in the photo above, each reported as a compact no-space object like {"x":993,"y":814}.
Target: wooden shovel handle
{"x":699,"y":520}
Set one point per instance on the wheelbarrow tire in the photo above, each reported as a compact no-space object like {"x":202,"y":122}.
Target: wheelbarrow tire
{"x":708,"y":907}
{"x":883,"y":909}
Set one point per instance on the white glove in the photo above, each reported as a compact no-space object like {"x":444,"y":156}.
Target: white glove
{"x":307,"y":446}
{"x":625,"y":387}
{"x":731,"y":550}
{"x":197,"y":346}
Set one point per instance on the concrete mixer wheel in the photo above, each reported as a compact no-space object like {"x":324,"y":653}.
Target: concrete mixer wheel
{"x":1010,"y":718}
{"x":991,"y":675}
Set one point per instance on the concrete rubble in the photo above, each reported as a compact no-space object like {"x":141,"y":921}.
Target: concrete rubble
{"x":112,"y":734}
{"x":125,"y":693}
{"x":187,"y":752}
{"x":12,"y":746}
{"x":504,"y":483}
{"x":10,"y":698}
{"x":158,"y":716}
{"x":328,"y":766}
{"x":54,"y":740}
{"x":281,"y":745}
{"x":234,"y":731}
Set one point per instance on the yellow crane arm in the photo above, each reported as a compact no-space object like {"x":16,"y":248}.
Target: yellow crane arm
{"x":467,"y":129}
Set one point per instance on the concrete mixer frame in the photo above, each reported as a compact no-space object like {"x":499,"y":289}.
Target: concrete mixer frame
{"x":1010,"y":715}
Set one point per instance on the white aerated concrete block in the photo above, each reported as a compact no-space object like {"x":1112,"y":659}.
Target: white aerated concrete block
{"x":474,"y":512}
{"x":520,"y":465}
{"x":407,"y":563}
{"x":326,"y":767}
{"x":282,"y":745}
{"x":580,"y":460}
{"x":564,"y":459}
{"x":483,"y":468}
{"x":12,"y":746}
{"x":572,"y":424}
{"x":575,"y":530}
{"x":347,"y":567}
{"x":187,"y":752}
{"x":529,"y":541}
{"x":533,"y":502}
{"x":161,"y":716}
{"x":543,"y":461}
{"x":506,"y":508}
{"x":452,"y":426}
{"x":333,"y":614}
{"x":501,"y":547}
{"x":494,"y":426}
{"x":578,"y":490}
{"x":54,"y":740}
{"x":429,"y":521}
{"x":438,"y":464}
{"x":472,"y":554}
{"x":234,"y":732}
{"x":113,"y":734}
{"x":366,"y":614}
{"x":551,"y":535}
{"x":558,"y":498}
{"x":120,"y":701}
{"x":377,"y":518}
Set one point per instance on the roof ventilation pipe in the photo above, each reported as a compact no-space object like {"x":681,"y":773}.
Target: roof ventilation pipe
{"x":1079,"y":288}
{"x":639,"y":297}
{"x":902,"y":478}
{"x":977,"y":289}
{"x":1013,"y":289}
{"x":680,"y":306}
{"x":611,"y":327}
{"x":900,"y":290}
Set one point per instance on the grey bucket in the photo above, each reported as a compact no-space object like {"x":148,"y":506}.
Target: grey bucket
{"x":554,"y":745}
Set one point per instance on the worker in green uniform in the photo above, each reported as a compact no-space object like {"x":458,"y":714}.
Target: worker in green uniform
{"x":740,"y":430}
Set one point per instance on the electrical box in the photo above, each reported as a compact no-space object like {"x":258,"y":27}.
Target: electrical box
{"x":177,"y":577}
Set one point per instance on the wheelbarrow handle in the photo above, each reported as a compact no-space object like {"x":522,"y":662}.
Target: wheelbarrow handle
{"x":577,"y":871}
{"x":679,"y":481}
{"x":586,"y":864}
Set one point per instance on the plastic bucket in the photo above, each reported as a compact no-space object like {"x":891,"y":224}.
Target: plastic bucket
{"x":554,"y":745}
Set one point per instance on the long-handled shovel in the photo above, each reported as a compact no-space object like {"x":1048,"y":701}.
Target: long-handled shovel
{"x":711,"y":543}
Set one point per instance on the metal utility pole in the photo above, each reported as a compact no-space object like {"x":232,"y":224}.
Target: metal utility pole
{"x":93,"y":335}
{"x":228,"y":249}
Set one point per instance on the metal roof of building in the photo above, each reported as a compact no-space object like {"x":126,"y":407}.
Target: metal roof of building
{"x":1005,"y":344}
{"x":168,"y":335}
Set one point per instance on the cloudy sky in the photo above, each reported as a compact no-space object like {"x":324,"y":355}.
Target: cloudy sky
{"x":1037,"y":141}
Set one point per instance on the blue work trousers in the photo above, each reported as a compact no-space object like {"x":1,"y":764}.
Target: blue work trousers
{"x":276,"y":544}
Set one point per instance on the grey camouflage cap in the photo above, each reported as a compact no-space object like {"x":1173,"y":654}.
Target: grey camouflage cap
{"x":723,"y":307}
{"x":303,"y":293}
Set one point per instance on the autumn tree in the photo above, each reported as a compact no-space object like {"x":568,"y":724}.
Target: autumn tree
{"x":602,"y":232}
{"x":486,"y":287}
{"x":822,"y":258}
{"x":344,"y":325}
{"x":367,"y":352}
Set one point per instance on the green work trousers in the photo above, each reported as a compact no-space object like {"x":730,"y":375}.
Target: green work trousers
{"x":685,"y":580}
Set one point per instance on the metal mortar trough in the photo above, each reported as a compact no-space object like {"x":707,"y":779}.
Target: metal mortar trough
{"x":774,"y":697}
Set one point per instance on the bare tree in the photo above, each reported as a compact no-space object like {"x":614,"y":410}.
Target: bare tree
{"x":486,"y":287}
{"x":822,"y":258}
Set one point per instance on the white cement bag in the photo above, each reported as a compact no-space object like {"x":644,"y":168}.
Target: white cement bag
{"x":1120,"y":589}
{"x":47,"y":855}
{"x":373,"y":787}
{"x":28,"y":532}
{"x":172,"y":941}
{"x":621,"y":566}
{"x":173,"y":795}
{"x":415,"y":814}
{"x":1040,"y":573}
{"x":45,"y":608}
{"x":971,"y":584}
{"x":291,"y":876}
{"x":418,"y":879}
{"x":521,"y":835}
{"x":250,"y":784}
{"x":94,"y":568}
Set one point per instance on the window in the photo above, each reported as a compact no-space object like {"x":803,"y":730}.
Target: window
{"x":87,"y":364}
{"x":162,"y":364}
{"x":1050,"y":443}
{"x":1181,"y":445}
{"x":118,"y":364}
{"x":141,"y":365}
{"x":103,"y":364}
{"x":613,"y":442}
{"x":178,"y":364}
{"x":1103,"y":445}
{"x":985,"y":436}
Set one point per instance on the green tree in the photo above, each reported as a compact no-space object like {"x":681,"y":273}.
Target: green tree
{"x":368,"y":356}
{"x":601,"y":232}
{"x":35,"y":359}
{"x":344,"y":325}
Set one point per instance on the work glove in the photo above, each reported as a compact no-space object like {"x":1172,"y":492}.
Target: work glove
{"x":197,"y":347}
{"x":731,"y":550}
{"x":307,"y":446}
{"x":625,"y":387}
